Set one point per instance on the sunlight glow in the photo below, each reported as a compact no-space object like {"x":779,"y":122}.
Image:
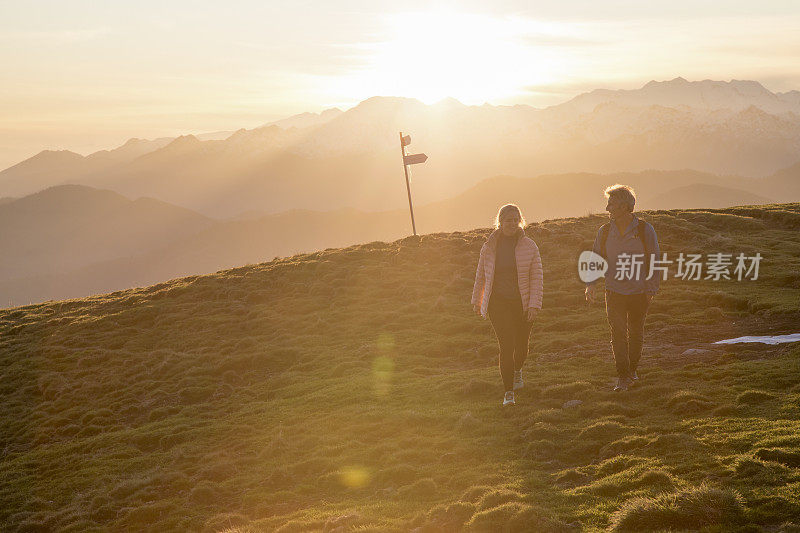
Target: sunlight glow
{"x":473,"y":58}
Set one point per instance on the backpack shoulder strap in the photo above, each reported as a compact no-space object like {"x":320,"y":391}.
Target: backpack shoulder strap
{"x":642,"y":230}
{"x":604,"y":230}
{"x":642,"y":235}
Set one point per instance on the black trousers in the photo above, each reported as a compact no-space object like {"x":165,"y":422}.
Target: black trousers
{"x":626,"y":314}
{"x":513,"y":331}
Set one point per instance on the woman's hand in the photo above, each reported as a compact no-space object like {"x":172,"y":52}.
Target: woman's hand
{"x":532,"y":312}
{"x":591,"y":294}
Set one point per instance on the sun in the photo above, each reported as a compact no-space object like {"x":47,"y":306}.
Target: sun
{"x":436,"y":54}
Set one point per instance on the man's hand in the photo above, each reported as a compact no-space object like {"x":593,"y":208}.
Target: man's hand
{"x":532,"y":312}
{"x":591,"y":293}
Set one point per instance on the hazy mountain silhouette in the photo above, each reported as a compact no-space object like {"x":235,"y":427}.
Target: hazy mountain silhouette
{"x":72,"y":241}
{"x":132,"y":149}
{"x":70,"y":226}
{"x":306,"y":120}
{"x":212,"y":136}
{"x":49,"y":168}
{"x":702,"y":195}
{"x":45,"y":169}
{"x":707,"y":94}
{"x":351,"y":158}
{"x":783,"y":184}
{"x":563,"y":195}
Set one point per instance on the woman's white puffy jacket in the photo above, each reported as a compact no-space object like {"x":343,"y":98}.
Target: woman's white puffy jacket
{"x":529,"y":272}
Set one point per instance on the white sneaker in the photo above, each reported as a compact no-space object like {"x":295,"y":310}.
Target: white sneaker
{"x":508,"y":399}
{"x":622,"y":384}
{"x":518,"y":383}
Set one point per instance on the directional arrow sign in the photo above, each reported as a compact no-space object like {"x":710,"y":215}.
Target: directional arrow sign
{"x":413,"y":159}
{"x":406,"y":140}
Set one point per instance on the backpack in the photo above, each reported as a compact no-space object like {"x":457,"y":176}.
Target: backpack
{"x":640,"y":231}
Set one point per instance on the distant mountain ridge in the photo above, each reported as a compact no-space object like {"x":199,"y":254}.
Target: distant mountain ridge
{"x":340,"y":159}
{"x":306,"y":120}
{"x":706,"y":94}
{"x":702,"y":195}
{"x":67,"y":227}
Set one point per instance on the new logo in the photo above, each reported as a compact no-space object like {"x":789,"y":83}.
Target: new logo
{"x":591,"y":266}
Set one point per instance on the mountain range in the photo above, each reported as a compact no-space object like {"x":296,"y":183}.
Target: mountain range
{"x":736,"y":95}
{"x":318,"y":180}
{"x":339,"y":159}
{"x":74,"y":240}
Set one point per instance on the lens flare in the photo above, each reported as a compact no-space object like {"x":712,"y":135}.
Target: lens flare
{"x":382,"y":371}
{"x":354,"y":477}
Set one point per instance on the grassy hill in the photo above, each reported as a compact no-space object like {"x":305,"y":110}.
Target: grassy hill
{"x":353,"y":390}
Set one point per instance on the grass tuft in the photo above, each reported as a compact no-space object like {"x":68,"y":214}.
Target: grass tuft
{"x":496,"y":518}
{"x":753,"y":397}
{"x":695,"y":508}
{"x":424,"y":489}
{"x":790,"y":458}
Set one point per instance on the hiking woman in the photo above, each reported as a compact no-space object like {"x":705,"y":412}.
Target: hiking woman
{"x":508,"y":288}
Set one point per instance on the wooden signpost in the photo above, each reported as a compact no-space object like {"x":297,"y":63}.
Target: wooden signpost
{"x":411,"y":159}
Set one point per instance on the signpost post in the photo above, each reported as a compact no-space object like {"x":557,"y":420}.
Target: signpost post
{"x":411,"y":159}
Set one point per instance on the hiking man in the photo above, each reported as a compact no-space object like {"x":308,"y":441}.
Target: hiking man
{"x":629,"y":245}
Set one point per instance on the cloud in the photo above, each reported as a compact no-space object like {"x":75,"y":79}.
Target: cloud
{"x":763,"y":49}
{"x":57,"y":36}
{"x":326,"y":59}
{"x":565,"y":41}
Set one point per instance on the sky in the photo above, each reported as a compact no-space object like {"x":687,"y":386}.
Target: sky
{"x":86,"y":76}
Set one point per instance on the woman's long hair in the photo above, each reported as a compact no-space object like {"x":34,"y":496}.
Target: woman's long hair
{"x":507,"y":210}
